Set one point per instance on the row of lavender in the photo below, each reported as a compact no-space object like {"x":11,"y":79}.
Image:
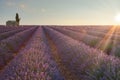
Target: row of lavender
{"x":111,"y":37}
{"x":35,"y":62}
{"x":88,"y":29}
{"x":87,"y":63}
{"x":12,"y":44}
{"x":92,"y":29}
{"x":112,"y":31}
{"x":112,"y":46}
{"x":6,"y":28}
{"x":79,"y":36}
{"x":10,"y":33}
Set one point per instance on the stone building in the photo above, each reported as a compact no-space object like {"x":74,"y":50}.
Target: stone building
{"x":13,"y":23}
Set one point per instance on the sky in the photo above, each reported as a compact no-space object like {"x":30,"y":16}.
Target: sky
{"x":60,"y":12}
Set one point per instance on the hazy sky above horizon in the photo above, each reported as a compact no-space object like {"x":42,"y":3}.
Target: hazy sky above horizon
{"x":60,"y":12}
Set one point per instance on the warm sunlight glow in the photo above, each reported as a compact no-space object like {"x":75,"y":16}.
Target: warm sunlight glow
{"x":104,"y":43}
{"x":117,"y":18}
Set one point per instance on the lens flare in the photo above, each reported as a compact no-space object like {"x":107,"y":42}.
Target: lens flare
{"x":117,"y":18}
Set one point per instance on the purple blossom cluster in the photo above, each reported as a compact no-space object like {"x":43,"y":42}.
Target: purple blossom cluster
{"x":87,"y":63}
{"x":34,"y":62}
{"x":12,"y":44}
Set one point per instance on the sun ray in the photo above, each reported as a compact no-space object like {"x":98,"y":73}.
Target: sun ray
{"x":106,"y":41}
{"x":115,"y":41}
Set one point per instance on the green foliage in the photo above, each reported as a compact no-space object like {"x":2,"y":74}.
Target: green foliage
{"x":17,"y":18}
{"x":109,"y":47}
{"x":93,"y":43}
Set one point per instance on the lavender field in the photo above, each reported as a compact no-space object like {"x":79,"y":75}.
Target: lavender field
{"x":60,"y":53}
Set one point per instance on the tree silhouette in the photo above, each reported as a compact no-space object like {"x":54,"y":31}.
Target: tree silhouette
{"x":17,"y":18}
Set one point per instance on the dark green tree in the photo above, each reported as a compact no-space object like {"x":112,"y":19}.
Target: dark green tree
{"x":17,"y":18}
